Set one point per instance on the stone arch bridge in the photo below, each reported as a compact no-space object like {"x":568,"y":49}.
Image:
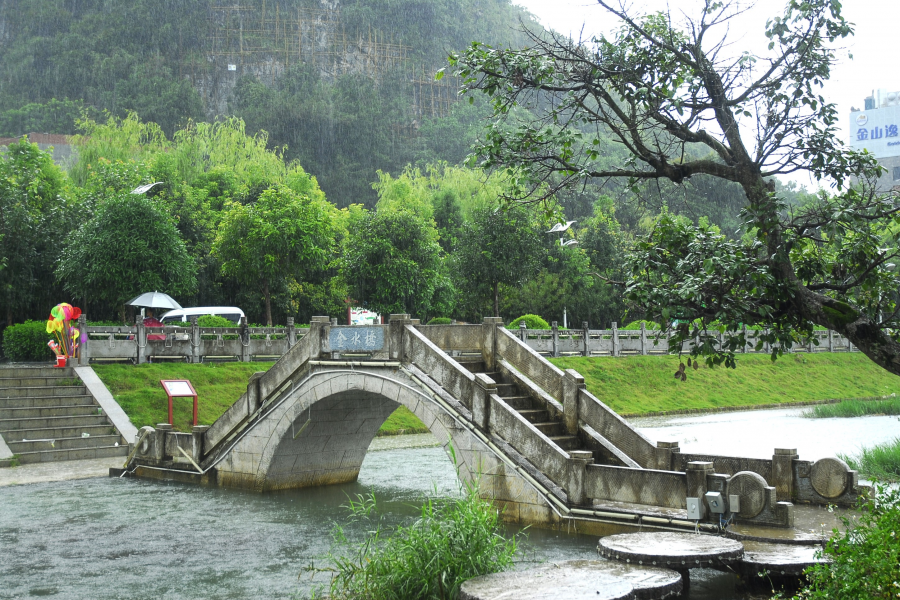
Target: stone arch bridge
{"x":530,"y":435}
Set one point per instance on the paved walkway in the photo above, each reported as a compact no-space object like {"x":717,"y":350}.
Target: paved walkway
{"x":99,"y":467}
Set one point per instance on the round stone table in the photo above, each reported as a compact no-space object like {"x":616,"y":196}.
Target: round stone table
{"x":777,"y":559}
{"x":679,"y":551}
{"x":551,"y":582}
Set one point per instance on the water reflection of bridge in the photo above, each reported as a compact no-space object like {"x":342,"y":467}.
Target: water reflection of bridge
{"x":532,"y":438}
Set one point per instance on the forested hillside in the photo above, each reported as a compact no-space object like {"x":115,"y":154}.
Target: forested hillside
{"x":347,"y":86}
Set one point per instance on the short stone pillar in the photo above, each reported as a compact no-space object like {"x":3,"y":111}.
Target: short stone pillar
{"x":317,"y":327}
{"x":577,"y":464}
{"x":396,"y":323}
{"x":643,"y":339}
{"x":245,"y":340}
{"x":665,"y":452}
{"x":83,"y":357}
{"x":254,"y":398}
{"x":489,"y":341}
{"x":158,"y":450}
{"x":573,"y":383}
{"x":586,"y":338}
{"x":195,"y":340}
{"x":696,"y":482}
{"x":140,"y":340}
{"x":481,"y":400}
{"x":615,"y":339}
{"x":554,"y":339}
{"x":783,"y":473}
{"x":197,"y":433}
{"x":523,"y":331}
{"x":291,"y":333}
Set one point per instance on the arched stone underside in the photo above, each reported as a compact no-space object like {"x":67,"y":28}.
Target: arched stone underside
{"x":319,"y":433}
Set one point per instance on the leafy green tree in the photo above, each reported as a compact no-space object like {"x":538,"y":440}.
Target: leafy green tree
{"x":684,"y":106}
{"x":392,"y":264}
{"x":281,"y":238}
{"x":130,"y":246}
{"x":497,"y":247}
{"x":34,"y":218}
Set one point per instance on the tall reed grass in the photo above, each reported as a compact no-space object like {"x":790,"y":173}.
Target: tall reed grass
{"x":854,"y":408}
{"x":881,"y":462}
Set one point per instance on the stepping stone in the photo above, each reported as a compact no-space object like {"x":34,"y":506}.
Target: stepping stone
{"x":679,"y":551}
{"x":551,"y":582}
{"x":778,"y":559}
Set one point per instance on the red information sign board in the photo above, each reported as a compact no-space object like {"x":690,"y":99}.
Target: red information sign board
{"x":179,"y":388}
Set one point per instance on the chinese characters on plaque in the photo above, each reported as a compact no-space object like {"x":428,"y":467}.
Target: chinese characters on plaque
{"x":366,"y":339}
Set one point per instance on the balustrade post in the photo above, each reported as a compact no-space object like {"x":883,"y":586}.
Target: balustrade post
{"x":140,"y":340}
{"x":744,"y":345}
{"x":696,"y":482}
{"x":783,"y":473}
{"x":615,"y":339}
{"x":523,"y":331}
{"x":291,"y":333}
{"x":195,"y":340}
{"x":397,"y":323}
{"x":83,"y":358}
{"x":573,"y":383}
{"x":245,"y":340}
{"x":318,"y":327}
{"x":830,"y":341}
{"x":576,"y":467}
{"x":489,"y":341}
{"x":554,"y":343}
{"x":643,"y":339}
{"x":586,"y":339}
{"x":481,"y":400}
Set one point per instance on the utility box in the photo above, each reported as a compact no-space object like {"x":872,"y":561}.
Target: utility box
{"x":734,"y":503}
{"x":716,"y":502}
{"x":694,"y":509}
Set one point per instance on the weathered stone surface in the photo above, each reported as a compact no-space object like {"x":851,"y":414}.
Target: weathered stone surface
{"x":778,"y":559}
{"x":828,"y":477}
{"x":672,"y":550}
{"x":553,"y":582}
{"x":751,"y":488}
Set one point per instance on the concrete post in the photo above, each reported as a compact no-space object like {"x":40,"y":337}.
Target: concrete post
{"x":577,"y":464}
{"x":140,"y":340}
{"x":158,"y":451}
{"x":396,"y":324}
{"x":195,"y":340}
{"x":573,"y":383}
{"x":783,"y":473}
{"x":317,"y":327}
{"x":523,"y":333}
{"x":489,"y":341}
{"x":615,"y":339}
{"x":665,"y":455}
{"x":643,"y":339}
{"x":744,"y":347}
{"x":554,"y":344}
{"x":254,"y":398}
{"x":291,"y":333}
{"x":481,"y":400}
{"x":245,"y":340}
{"x":696,"y":482}
{"x":83,"y":358}
{"x":830,"y":341}
{"x":586,"y":338}
{"x":197,"y":434}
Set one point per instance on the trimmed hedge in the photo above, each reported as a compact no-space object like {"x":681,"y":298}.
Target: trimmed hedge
{"x":27,"y":342}
{"x":440,"y":321}
{"x":531,"y":322}
{"x":635,"y":325}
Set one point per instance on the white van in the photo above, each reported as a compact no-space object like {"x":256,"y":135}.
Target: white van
{"x":232,"y":313}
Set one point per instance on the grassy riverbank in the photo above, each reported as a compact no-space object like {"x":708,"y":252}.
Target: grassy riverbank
{"x":881,"y":462}
{"x":645,"y":384}
{"x":218,"y":385}
{"x":854,"y":408}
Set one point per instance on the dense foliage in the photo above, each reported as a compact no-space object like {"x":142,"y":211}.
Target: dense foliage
{"x":451,"y":541}
{"x":531,"y":322}
{"x":27,"y":342}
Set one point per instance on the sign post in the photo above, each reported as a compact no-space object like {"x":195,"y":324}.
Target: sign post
{"x":179,"y":388}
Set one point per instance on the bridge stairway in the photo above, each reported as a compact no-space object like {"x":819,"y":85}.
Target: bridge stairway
{"x":44,"y":414}
{"x":532,"y":410}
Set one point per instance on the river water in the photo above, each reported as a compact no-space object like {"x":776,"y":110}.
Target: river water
{"x":126,"y":538}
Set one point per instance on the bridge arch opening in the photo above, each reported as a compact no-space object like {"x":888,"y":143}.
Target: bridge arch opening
{"x":320,"y":433}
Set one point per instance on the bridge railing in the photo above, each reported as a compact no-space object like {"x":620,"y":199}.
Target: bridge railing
{"x":556,"y":342}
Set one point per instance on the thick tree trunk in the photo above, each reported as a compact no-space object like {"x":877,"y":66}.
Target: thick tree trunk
{"x":268,"y":304}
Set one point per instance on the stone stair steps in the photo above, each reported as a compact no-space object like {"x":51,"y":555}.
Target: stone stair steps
{"x":47,"y":390}
{"x":17,"y":435}
{"x":520,"y":402}
{"x":13,"y":372}
{"x":37,"y":412}
{"x":73,"y":454}
{"x":568,"y":442}
{"x":52,"y":422}
{"x":45,"y":401}
{"x":535,"y":415}
{"x":10,"y":382}
{"x":65,"y":443}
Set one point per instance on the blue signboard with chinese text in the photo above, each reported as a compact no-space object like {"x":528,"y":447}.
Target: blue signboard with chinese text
{"x":365,"y":339}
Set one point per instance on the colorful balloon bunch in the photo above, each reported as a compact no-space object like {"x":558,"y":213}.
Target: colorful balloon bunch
{"x":59,"y":324}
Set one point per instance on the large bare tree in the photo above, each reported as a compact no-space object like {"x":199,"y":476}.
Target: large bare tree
{"x":683,"y":101}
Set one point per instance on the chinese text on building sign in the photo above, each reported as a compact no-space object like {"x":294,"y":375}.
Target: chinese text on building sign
{"x":876,"y":133}
{"x":356,"y":338}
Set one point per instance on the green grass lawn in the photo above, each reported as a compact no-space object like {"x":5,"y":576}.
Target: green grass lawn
{"x":218,"y":385}
{"x":632,"y":385}
{"x":643,"y":384}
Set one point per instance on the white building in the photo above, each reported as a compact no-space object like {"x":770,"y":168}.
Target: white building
{"x":877,"y":129}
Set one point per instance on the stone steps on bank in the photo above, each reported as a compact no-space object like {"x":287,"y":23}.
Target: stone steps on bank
{"x":63,"y":431}
{"x":53,"y":422}
{"x":53,"y":410}
{"x":63,"y":443}
{"x":53,"y":455}
{"x":42,"y":390}
{"x":45,"y":401}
